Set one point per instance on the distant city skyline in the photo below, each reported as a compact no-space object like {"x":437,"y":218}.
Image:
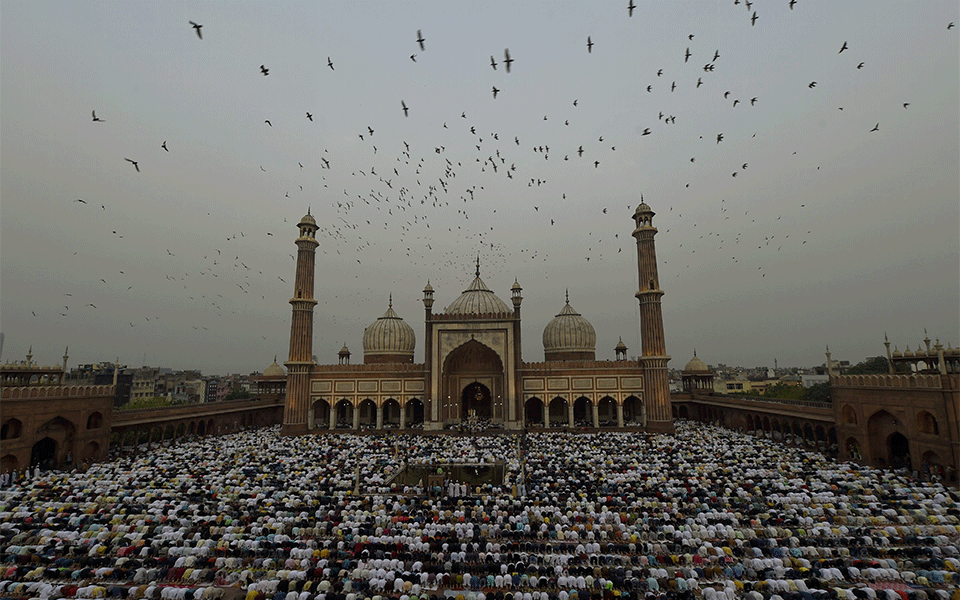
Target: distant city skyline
{"x":805,"y":180}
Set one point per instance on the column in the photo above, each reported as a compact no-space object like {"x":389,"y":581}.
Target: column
{"x":619,"y":415}
{"x":356,"y":417}
{"x":379,"y":409}
{"x":403,"y":416}
{"x":333,"y":418}
{"x":596,"y":414}
{"x":570,"y":413}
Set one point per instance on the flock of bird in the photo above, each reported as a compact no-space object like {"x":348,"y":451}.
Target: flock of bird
{"x":411,"y":193}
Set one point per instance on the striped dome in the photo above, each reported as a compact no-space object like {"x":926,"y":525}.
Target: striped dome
{"x":569,"y":332}
{"x":476,"y":300}
{"x":389,"y":335}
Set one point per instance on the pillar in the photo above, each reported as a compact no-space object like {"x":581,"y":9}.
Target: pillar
{"x":619,"y":414}
{"x":356,"y":417}
{"x":403,"y":416}
{"x":570,"y":413}
{"x":379,"y":410}
{"x":596,"y":414}
{"x":333,"y":418}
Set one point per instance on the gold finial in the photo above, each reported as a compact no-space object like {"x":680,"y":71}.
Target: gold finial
{"x":274,"y":358}
{"x":308,"y":209}
{"x":694,"y":352}
{"x":391,"y":300}
{"x":568,"y":295}
{"x":478,"y":265}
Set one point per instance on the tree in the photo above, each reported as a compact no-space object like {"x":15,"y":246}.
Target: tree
{"x":819,"y":392}
{"x":238,"y":394}
{"x":877,"y":365}
{"x":782,"y":390}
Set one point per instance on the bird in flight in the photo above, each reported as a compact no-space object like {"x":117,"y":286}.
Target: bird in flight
{"x":420,"y":40}
{"x":876,"y":127}
{"x":950,"y":25}
{"x":81,"y":201}
{"x":197,"y":26}
{"x":495,"y":92}
{"x":91,"y":305}
{"x":97,"y":119}
{"x":413,"y":57}
{"x":589,"y":44}
{"x":753,"y":19}
{"x":267,"y":121}
{"x":264,"y":70}
{"x":330,"y":64}
{"x":753,"y":101}
{"x":596,"y":164}
{"x":906,"y":104}
{"x":630,"y":8}
{"x":792,"y":2}
{"x":309,"y":116}
{"x":719,"y":137}
{"x":134,"y":163}
{"x":646,"y":131}
{"x":843,"y":47}
{"x":164,"y":145}
{"x":506,"y":58}
{"x":687,"y":56}
{"x":812,"y":85}
{"x":404,"y":106}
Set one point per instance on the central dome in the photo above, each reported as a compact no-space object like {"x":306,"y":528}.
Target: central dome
{"x":477,"y":300}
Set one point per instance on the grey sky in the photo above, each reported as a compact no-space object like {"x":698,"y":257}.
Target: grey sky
{"x":881,"y":208}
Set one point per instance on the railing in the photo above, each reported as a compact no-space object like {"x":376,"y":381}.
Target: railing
{"x":373,"y":367}
{"x":886,"y":380}
{"x":195,"y":405}
{"x":57,"y":391}
{"x":564,"y":365}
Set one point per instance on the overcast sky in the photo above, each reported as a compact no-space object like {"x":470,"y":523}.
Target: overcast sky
{"x":830,"y":232}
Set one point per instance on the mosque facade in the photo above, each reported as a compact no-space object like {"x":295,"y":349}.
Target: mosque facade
{"x":473,"y":372}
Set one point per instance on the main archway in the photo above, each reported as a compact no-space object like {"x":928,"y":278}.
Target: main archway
{"x":44,"y":453}
{"x":472,"y":384}
{"x":476,"y":402}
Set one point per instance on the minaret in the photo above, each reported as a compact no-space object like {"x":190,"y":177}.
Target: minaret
{"x":653,"y":359}
{"x":428,"y":399}
{"x":886,"y":343}
{"x":516,"y":296}
{"x":300,"y":361}
{"x":66,"y":355}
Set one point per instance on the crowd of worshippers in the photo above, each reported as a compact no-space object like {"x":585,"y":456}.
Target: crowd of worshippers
{"x":706,"y":514}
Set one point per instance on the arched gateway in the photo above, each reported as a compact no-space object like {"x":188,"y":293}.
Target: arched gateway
{"x":473,"y":381}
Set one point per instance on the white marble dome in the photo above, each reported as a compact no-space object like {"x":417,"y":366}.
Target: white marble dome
{"x":477,"y":300}
{"x":389,"y":335}
{"x":569,"y":332}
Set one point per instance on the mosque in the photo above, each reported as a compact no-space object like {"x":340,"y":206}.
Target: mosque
{"x":473,"y":372}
